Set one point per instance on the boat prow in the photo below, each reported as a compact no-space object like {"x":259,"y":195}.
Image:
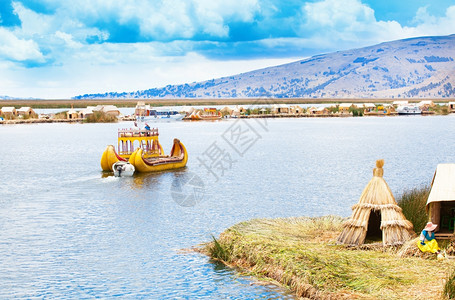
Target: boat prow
{"x":109,"y":158}
{"x":177,"y":159}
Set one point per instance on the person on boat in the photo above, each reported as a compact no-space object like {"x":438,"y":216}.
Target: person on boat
{"x":147,"y":128}
{"x":427,"y":242}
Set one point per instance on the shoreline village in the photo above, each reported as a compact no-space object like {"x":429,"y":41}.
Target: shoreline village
{"x":111,"y":113}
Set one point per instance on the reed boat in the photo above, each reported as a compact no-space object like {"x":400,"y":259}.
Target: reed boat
{"x":208,"y":114}
{"x":142,"y":147}
{"x":177,"y":158}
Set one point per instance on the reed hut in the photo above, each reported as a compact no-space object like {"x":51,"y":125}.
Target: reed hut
{"x":72,"y":114}
{"x":343,"y":108}
{"x":141,"y":109}
{"x":322,"y":111}
{"x":377,"y":215}
{"x":280,"y":109}
{"x":26,"y":111}
{"x":452,"y":107}
{"x":295,"y":109}
{"x":226,"y":111}
{"x":111,"y":110}
{"x":86,"y":112}
{"x":9,"y":111}
{"x":441,"y":201}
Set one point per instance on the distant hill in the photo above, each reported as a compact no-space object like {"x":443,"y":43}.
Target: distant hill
{"x":411,"y":68}
{"x":6,"y":98}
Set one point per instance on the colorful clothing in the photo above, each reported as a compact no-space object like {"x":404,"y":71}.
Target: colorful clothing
{"x":427,"y":242}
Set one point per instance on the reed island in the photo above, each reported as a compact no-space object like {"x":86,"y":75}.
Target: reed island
{"x":371,"y":255}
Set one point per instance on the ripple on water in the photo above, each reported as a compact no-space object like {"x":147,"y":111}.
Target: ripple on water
{"x":67,"y":231}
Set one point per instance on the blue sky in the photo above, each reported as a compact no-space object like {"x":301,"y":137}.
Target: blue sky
{"x":59,"y":49}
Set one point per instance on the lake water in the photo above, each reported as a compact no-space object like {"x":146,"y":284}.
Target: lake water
{"x":68,"y":231}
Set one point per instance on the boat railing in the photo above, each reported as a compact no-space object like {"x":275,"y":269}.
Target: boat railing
{"x":122,"y":133}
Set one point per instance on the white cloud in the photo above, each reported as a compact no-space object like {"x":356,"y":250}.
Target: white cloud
{"x":349,"y":24}
{"x":342,"y":15}
{"x":431,"y":25}
{"x":68,"y":39}
{"x":79,"y":67}
{"x":13,"y":48}
{"x":81,"y":77}
{"x":157,"y":20}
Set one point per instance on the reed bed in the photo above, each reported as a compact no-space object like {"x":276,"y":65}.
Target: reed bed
{"x":301,"y":254}
{"x":413,"y":203}
{"x":100,"y":117}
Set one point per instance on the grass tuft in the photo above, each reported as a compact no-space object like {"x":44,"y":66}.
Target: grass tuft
{"x":413,"y":203}
{"x":449,"y":286}
{"x":100,"y":117}
{"x":217,"y":251}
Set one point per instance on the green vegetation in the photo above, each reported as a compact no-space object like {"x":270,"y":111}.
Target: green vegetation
{"x":413,"y":202}
{"x":61,"y":115}
{"x":18,"y":117}
{"x":449,"y":286}
{"x":100,"y":117}
{"x":356,"y":111}
{"x":333,"y":109}
{"x":440,"y":110}
{"x":301,"y":254}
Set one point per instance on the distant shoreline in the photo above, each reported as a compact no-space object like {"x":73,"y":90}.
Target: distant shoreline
{"x":65,"y":103}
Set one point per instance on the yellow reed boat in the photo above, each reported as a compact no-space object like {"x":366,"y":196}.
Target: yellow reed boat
{"x":208,"y":114}
{"x":142,"y":149}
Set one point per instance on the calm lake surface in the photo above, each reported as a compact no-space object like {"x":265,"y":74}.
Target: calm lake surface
{"x":68,"y":231}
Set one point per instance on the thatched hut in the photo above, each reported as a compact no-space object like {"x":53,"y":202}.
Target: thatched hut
{"x":72,"y":114}
{"x":226,"y":111}
{"x":26,"y":111}
{"x":452,"y":107}
{"x":9,"y":111}
{"x":441,"y":201}
{"x":343,"y":108}
{"x":377,"y":215}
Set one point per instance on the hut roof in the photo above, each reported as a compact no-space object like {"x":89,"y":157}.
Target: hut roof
{"x":378,"y":198}
{"x":108,"y":108}
{"x":346,"y":105}
{"x":426,"y":102}
{"x":99,"y":107}
{"x":8,"y":109}
{"x":280,"y":106}
{"x":88,"y":110}
{"x":226,"y":109}
{"x":24,"y":109}
{"x":443,"y":185}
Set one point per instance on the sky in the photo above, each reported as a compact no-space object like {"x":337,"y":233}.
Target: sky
{"x":58,"y":49}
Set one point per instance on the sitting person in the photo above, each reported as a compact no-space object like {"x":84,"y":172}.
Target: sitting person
{"x":427,"y":241}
